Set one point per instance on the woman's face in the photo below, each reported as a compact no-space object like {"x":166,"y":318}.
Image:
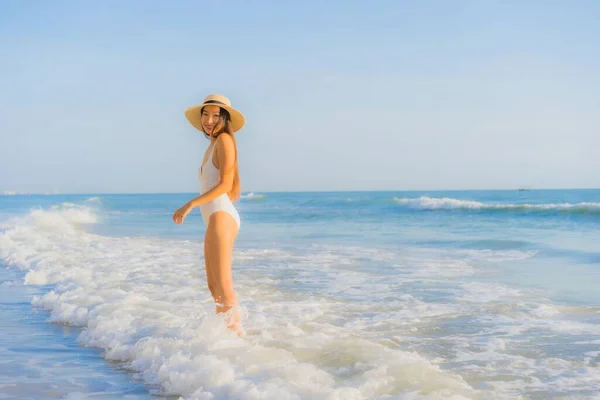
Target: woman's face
{"x":211,"y":117}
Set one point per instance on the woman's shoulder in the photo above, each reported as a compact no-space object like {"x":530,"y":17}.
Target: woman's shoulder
{"x":224,"y":141}
{"x":224,"y":144}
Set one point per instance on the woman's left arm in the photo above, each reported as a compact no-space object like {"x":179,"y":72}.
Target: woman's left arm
{"x":226,"y":156}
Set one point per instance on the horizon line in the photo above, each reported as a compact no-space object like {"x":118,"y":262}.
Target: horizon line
{"x":10,"y":193}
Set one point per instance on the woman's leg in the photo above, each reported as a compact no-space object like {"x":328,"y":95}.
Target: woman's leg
{"x":210,"y":280}
{"x":221,"y":234}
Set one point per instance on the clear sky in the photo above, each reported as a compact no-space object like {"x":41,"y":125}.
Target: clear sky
{"x":338,"y":95}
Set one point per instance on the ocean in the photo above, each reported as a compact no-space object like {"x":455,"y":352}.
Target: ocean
{"x":345,"y":295}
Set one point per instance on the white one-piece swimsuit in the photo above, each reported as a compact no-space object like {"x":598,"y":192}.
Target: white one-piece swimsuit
{"x":209,"y":178}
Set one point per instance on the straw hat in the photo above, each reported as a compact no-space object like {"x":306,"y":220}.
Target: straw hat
{"x":194,"y":116}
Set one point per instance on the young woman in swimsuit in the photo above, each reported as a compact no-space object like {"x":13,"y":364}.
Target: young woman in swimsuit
{"x":220,"y":184}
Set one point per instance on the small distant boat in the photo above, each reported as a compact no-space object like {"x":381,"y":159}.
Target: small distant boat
{"x":524,"y":189}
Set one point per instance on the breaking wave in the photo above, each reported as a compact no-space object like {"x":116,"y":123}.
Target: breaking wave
{"x":445,"y":203}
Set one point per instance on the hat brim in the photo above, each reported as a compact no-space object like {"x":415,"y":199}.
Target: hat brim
{"x":195,"y":118}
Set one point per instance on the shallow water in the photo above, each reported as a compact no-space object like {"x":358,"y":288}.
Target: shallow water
{"x":409,"y":295}
{"x":41,"y":360}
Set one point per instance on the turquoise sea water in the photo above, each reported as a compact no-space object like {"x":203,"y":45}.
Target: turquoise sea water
{"x":347,"y":295}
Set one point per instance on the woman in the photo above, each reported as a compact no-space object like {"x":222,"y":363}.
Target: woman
{"x":220,"y":186}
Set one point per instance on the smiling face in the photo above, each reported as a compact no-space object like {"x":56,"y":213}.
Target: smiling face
{"x":211,"y":119}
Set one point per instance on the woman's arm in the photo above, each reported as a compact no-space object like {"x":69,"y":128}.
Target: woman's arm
{"x":226,"y":160}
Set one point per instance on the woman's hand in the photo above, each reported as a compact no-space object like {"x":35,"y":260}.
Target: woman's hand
{"x":181,"y":213}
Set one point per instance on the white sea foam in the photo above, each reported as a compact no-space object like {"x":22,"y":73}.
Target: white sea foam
{"x":144,"y":301}
{"x":498,"y":255}
{"x":435,"y":203}
{"x":253,"y":196}
{"x":322,"y":321}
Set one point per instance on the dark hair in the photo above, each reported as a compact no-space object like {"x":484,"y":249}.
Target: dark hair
{"x":227,"y":128}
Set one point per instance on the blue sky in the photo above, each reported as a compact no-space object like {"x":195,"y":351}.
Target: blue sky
{"x":346,"y":95}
